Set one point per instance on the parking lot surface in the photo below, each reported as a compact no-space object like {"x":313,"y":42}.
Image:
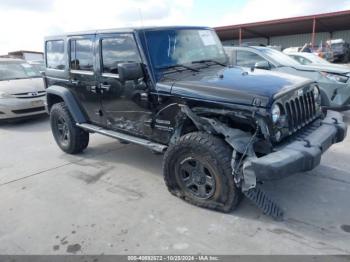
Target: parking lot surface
{"x":112,"y":200}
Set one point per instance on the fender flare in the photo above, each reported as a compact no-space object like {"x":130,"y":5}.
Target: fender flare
{"x":69,"y":99}
{"x":240,"y":141}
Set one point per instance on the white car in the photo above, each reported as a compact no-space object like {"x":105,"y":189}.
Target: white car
{"x":310,"y":59}
{"x":305,"y":58}
{"x":22,"y":92}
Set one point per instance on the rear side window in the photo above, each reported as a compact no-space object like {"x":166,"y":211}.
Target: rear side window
{"x":116,"y":50}
{"x":81,"y":54}
{"x":55,"y":54}
{"x":248,"y":59}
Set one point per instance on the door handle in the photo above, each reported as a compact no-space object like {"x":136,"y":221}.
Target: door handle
{"x":105,"y":87}
{"x":75,"y":82}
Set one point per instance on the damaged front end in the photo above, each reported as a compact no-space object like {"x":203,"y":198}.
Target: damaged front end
{"x":242,"y":142}
{"x":256,"y":158}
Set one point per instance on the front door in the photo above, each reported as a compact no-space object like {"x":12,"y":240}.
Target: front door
{"x":82,"y":76}
{"x":125,"y":106}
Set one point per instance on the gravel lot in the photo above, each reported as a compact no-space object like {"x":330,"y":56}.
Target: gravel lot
{"x":112,"y":200}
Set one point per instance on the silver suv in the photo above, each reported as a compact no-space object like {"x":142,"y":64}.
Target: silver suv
{"x":334,"y":81}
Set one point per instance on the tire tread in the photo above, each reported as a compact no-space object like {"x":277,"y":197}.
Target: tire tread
{"x":220,"y":153}
{"x":79,"y":137}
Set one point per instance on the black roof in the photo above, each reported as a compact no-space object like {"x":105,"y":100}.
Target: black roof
{"x":125,"y":30}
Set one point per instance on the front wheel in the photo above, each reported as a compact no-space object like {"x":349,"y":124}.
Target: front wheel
{"x":198,"y":169}
{"x":70,"y":138}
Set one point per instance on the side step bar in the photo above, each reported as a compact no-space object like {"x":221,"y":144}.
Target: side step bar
{"x":132,"y":139}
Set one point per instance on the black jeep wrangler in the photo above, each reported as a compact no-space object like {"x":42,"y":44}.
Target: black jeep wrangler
{"x":223,"y":129}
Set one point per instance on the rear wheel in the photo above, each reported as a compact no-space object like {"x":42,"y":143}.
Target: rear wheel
{"x":198,"y":169}
{"x":70,"y":138}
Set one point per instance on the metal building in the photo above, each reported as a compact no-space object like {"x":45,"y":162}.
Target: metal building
{"x":295,"y":31}
{"x":26,"y":55}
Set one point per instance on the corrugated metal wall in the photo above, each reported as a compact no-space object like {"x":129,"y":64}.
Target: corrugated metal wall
{"x":258,"y":40}
{"x":342,"y":34}
{"x":295,"y":40}
{"x":298,"y":40}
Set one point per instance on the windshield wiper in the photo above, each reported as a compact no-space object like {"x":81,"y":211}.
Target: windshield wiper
{"x":177,"y":66}
{"x":207,"y":61}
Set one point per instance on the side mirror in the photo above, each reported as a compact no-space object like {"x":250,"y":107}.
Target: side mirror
{"x":262,"y":65}
{"x":130,"y":71}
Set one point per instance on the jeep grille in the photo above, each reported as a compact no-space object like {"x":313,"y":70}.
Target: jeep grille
{"x":300,"y":111}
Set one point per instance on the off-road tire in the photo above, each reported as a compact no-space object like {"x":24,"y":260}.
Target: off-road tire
{"x":217,"y":154}
{"x":78,"y":138}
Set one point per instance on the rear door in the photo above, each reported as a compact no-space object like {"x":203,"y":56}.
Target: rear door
{"x":83,"y":76}
{"x":126,"y":105}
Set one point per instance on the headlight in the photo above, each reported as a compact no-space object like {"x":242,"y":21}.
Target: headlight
{"x":335,"y":77}
{"x":276,"y":113}
{"x":317,"y":95}
{"x":4,"y":95}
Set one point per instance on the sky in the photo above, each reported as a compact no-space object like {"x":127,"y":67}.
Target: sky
{"x":24,"y":23}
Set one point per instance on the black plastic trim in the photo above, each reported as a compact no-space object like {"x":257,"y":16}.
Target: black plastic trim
{"x":70,"y":101}
{"x":302,"y":154}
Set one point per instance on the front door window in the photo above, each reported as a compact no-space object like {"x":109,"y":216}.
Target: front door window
{"x":116,"y":50}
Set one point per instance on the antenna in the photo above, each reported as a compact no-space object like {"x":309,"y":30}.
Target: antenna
{"x":140,"y":15}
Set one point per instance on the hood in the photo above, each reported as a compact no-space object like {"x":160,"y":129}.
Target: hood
{"x":236,"y":85}
{"x":337,"y":69}
{"x":16,"y":86}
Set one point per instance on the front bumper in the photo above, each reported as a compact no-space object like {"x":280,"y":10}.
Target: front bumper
{"x":303,"y":153}
{"x":12,"y":108}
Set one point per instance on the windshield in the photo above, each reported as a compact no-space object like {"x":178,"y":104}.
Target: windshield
{"x":279,"y":57}
{"x":17,"y":70}
{"x":183,"y":46}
